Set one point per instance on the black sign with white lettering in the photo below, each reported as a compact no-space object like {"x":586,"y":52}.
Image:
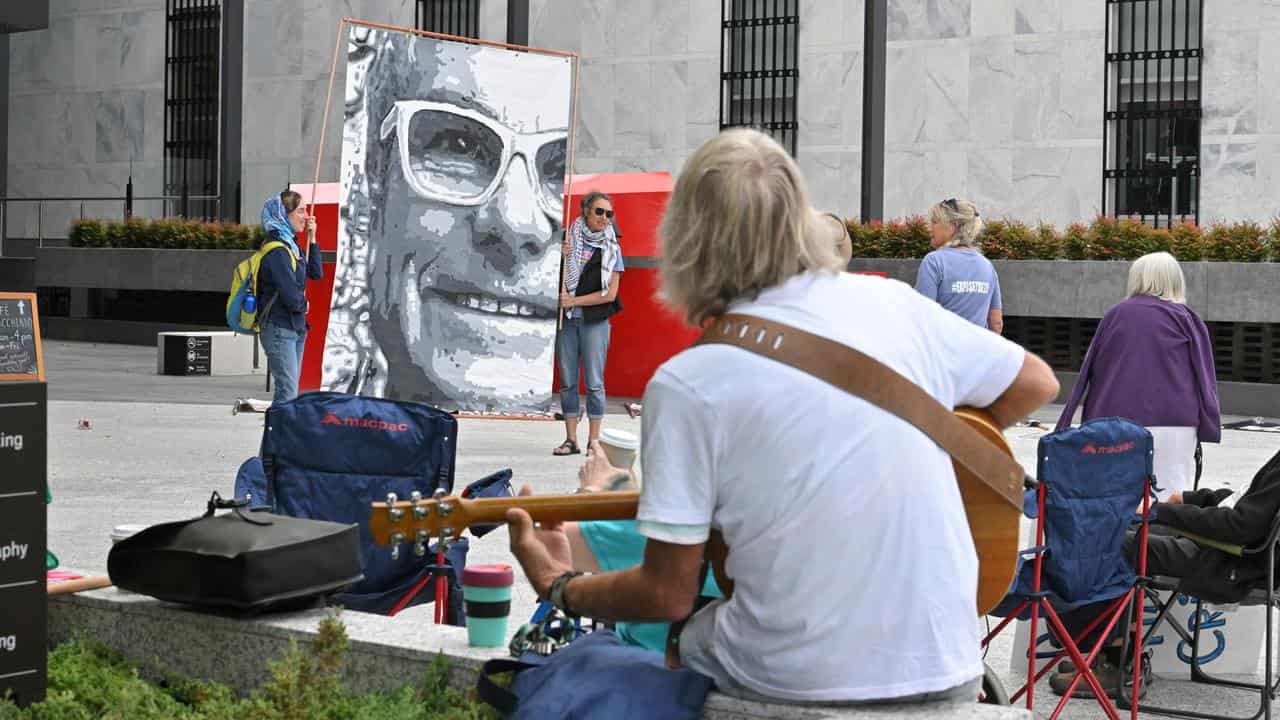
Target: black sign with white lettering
{"x":187,"y":354}
{"x":19,"y":337}
{"x":23,"y":527}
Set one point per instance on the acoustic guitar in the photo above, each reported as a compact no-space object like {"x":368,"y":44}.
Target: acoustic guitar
{"x":992,"y":521}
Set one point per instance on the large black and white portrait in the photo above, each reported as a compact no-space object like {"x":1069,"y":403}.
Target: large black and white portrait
{"x":453,"y":172}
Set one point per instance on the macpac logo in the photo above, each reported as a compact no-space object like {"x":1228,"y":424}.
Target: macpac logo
{"x":1092,"y":449}
{"x":371,"y":423}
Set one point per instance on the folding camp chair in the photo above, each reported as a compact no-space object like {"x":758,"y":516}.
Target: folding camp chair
{"x":1090,"y":481}
{"x":1270,"y":685}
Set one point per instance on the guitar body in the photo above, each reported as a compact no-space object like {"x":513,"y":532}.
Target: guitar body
{"x":993,"y":522}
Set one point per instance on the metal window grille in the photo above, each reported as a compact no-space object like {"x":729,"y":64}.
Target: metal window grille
{"x":759,"y":66}
{"x":451,"y":17}
{"x":1151,"y":145}
{"x":1242,"y":352}
{"x":193,"y":46}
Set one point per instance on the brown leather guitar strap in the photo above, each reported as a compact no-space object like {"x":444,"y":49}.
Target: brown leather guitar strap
{"x":865,"y":377}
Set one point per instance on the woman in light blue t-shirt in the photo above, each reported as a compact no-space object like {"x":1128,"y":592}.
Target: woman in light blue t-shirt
{"x":956,"y":274}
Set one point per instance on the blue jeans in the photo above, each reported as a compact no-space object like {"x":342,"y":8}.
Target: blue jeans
{"x":284,"y":358}
{"x":585,"y":343}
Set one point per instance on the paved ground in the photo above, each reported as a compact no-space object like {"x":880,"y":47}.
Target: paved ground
{"x":159,"y":445}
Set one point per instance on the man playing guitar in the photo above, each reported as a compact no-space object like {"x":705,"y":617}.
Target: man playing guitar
{"x":852,"y":565}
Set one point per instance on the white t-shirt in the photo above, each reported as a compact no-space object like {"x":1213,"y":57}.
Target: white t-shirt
{"x":855,"y":574}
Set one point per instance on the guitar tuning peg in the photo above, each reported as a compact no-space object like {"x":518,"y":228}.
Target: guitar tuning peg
{"x":420,"y":543}
{"x":419,"y":510}
{"x":439,"y":494}
{"x":397,"y":537}
{"x":394,"y":512}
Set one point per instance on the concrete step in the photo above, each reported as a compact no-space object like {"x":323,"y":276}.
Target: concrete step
{"x":386,"y":652}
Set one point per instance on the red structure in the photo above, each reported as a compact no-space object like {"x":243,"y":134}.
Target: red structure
{"x":325,"y":208}
{"x":645,"y":334}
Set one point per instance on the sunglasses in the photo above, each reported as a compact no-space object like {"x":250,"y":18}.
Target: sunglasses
{"x":459,"y":156}
{"x":601,"y":212}
{"x":951,"y":203}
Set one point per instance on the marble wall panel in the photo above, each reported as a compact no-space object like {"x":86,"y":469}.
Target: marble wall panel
{"x":595,"y":109}
{"x":599,"y":31}
{"x":1059,"y":185}
{"x":1229,"y":183}
{"x":493,"y":20}
{"x":120,"y":125}
{"x":992,"y":86}
{"x":928,"y":19}
{"x":1038,"y":16}
{"x":632,"y":106}
{"x":670,"y":27}
{"x":991,"y":18}
{"x":822,"y":22}
{"x":914,"y":180}
{"x":989,"y":182}
{"x":834,"y":180}
{"x":1229,"y":96}
{"x":822,"y":109}
{"x":669,"y":120}
{"x":1230,"y":15}
{"x":928,"y":96}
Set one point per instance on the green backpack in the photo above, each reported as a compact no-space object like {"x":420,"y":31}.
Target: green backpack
{"x":243,"y":309}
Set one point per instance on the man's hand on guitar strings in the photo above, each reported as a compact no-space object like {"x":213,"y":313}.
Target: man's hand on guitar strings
{"x":542,"y":550}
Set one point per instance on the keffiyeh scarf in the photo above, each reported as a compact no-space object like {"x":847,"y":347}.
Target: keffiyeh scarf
{"x":604,"y":241}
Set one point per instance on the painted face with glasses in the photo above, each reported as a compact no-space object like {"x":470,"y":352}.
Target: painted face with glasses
{"x":472,"y":192}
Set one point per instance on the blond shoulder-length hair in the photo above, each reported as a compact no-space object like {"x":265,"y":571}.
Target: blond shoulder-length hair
{"x":1158,"y":275}
{"x":738,"y":222}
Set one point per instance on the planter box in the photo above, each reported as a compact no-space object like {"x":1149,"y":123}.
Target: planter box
{"x":1217,"y":291}
{"x":137,"y":268}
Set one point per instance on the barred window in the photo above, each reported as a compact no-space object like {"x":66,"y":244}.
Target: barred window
{"x":451,"y":17}
{"x":1152,"y":83}
{"x":193,"y":48}
{"x":759,"y":60}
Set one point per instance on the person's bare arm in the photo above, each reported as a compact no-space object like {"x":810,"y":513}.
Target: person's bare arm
{"x":661,"y":589}
{"x":1034,"y":386}
{"x":596,"y":298}
{"x":995,"y":321}
{"x":583,"y":559}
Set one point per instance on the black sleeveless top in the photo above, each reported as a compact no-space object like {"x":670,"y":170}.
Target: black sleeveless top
{"x":589,"y":282}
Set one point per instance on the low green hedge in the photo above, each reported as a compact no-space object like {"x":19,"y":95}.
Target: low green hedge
{"x":1104,"y":239}
{"x":89,"y":681}
{"x":169,"y":234}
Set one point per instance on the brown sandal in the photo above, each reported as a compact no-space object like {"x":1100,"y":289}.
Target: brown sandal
{"x":568,"y":447}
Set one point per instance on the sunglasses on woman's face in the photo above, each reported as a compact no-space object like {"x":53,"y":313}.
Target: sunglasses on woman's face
{"x":460,"y":157}
{"x":601,"y":212}
{"x":952,"y":203}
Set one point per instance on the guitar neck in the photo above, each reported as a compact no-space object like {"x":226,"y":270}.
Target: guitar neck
{"x":556,"y":508}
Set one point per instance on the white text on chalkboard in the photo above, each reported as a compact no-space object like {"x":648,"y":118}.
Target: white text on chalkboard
{"x":13,"y":550}
{"x":11,"y":442}
{"x":8,"y":642}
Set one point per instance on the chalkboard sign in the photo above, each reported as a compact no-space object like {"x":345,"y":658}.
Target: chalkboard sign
{"x":21,"y":356}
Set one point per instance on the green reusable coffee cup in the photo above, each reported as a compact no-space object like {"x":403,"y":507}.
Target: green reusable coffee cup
{"x":486,"y":590}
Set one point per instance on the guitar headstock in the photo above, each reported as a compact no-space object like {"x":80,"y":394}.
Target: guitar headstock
{"x":418,"y":520}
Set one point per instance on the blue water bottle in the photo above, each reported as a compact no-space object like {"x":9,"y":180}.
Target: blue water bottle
{"x":250,"y":303}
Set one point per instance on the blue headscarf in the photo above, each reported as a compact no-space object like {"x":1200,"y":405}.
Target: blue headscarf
{"x":275,"y":222}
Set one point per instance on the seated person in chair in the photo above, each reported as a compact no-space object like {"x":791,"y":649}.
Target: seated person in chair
{"x":605,"y":546}
{"x":1182,"y":545}
{"x":854,"y":572}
